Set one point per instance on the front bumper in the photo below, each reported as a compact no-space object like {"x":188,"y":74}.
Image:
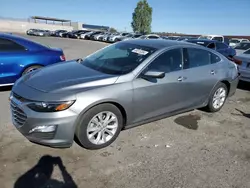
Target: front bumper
{"x":233,"y":86}
{"x":25,"y":120}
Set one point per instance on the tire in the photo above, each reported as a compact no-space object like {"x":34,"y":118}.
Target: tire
{"x":211,"y":107}
{"x":30,"y":69}
{"x":83,"y":128}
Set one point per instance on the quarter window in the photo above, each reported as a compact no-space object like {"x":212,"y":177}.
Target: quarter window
{"x":9,"y":46}
{"x":168,"y":61}
{"x":214,"y":58}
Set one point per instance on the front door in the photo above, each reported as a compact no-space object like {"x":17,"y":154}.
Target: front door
{"x":154,"y":97}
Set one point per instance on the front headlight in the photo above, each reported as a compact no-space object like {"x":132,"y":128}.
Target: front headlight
{"x":50,"y":106}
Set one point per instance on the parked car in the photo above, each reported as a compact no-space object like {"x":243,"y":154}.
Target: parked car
{"x":213,"y":37}
{"x":234,"y":41}
{"x":98,"y":36}
{"x":94,"y":98}
{"x":241,"y":47}
{"x":19,"y":56}
{"x":91,"y":36}
{"x":243,"y":62}
{"x":31,"y":31}
{"x":220,"y":47}
{"x":59,"y":33}
{"x":83,"y":36}
{"x":185,"y":38}
{"x":75,"y":34}
{"x":116,"y":37}
{"x":106,"y":37}
{"x":131,"y":37}
{"x":173,"y":37}
{"x":78,"y":34}
{"x":150,"y":36}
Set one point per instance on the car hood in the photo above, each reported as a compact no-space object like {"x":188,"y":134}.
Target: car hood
{"x":67,"y":77}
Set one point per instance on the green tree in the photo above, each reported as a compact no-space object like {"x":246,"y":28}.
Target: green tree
{"x":142,"y":17}
{"x":112,"y":30}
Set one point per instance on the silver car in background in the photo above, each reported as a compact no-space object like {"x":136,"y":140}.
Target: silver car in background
{"x":242,"y":47}
{"x":243,"y":61}
{"x":120,"y":86}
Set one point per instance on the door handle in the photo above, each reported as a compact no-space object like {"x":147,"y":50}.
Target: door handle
{"x":212,"y":72}
{"x":181,"y":78}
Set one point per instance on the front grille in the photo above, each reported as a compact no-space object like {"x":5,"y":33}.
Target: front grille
{"x":18,"y":116}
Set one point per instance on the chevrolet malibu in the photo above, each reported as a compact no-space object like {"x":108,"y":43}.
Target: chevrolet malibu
{"x":120,"y":86}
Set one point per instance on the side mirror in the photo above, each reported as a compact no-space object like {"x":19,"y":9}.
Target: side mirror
{"x":153,"y":74}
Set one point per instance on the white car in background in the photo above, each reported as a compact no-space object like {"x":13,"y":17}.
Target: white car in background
{"x":150,"y":36}
{"x":100,"y":36}
{"x":82,"y":36}
{"x":242,"y":47}
{"x":213,"y":37}
{"x":116,"y":38}
{"x":234,"y":41}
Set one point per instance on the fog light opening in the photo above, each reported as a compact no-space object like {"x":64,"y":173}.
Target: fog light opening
{"x":44,"y":129}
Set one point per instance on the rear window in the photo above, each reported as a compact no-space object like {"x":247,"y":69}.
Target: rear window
{"x":242,"y":46}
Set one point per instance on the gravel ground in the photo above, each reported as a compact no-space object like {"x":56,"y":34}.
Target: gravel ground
{"x":191,"y":150}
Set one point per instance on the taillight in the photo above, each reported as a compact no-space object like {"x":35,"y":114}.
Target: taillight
{"x":238,"y":62}
{"x":63,"y":58}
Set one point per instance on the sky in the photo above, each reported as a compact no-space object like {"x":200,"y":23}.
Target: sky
{"x":225,"y":17}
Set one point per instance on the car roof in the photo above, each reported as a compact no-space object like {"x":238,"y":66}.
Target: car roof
{"x":203,"y":40}
{"x":23,"y":41}
{"x":158,"y":43}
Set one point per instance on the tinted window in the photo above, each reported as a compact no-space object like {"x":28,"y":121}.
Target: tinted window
{"x":9,"y":46}
{"x":211,"y":45}
{"x":221,"y":46}
{"x":167,"y":62}
{"x":218,"y":39}
{"x":118,"y":59}
{"x":196,"y":58}
{"x":153,"y":37}
{"x":214,"y":58}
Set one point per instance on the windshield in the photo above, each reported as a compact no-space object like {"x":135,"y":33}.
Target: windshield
{"x":136,"y":36}
{"x":129,"y":35}
{"x":243,"y":46}
{"x":118,"y":59}
{"x":234,"y":41}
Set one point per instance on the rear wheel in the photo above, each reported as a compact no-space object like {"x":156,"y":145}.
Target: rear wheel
{"x":217,"y":98}
{"x":99,"y":126}
{"x":31,"y":68}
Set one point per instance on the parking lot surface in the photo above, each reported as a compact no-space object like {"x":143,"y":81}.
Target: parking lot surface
{"x":195,"y":149}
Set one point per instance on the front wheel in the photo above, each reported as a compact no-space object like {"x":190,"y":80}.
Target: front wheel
{"x":217,"y":98}
{"x":99,"y":126}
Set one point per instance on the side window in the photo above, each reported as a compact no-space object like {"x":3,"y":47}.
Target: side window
{"x":196,"y":58}
{"x":9,"y":46}
{"x":211,"y":46}
{"x":168,"y":61}
{"x":220,"y":46}
{"x":214,"y":58}
{"x":153,"y":37}
{"x":218,"y":39}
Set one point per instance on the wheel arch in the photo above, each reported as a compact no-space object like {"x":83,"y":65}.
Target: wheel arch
{"x":29,"y":65}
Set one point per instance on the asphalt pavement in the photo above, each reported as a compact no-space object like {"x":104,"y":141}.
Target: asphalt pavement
{"x":191,"y":150}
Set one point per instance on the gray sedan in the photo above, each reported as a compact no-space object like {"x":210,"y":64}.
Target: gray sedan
{"x":120,"y":86}
{"x":243,"y":61}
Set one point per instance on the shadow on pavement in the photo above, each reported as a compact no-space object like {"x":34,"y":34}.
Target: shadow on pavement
{"x":243,"y":113}
{"x":5,"y":88}
{"x":40,"y":175}
{"x":244,"y":86}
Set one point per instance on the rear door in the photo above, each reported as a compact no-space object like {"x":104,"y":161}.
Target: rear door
{"x":200,"y":70}
{"x":11,"y":57}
